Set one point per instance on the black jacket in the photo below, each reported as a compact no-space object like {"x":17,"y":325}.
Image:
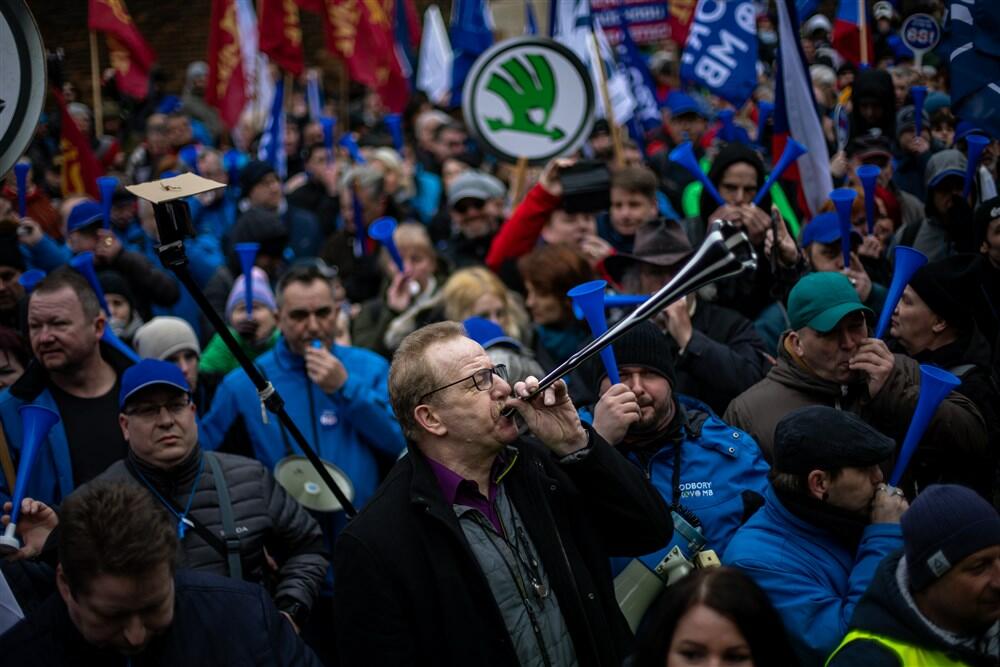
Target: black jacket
{"x":884,"y":611}
{"x":217,"y":621}
{"x":724,"y":357}
{"x":264,"y":517}
{"x":409,"y":590}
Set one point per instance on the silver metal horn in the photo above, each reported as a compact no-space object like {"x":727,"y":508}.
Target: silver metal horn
{"x":726,"y":251}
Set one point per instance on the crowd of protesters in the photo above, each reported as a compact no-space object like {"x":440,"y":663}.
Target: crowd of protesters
{"x":750,"y":436}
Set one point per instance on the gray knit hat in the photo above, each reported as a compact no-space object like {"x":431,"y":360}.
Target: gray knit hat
{"x":163,"y":336}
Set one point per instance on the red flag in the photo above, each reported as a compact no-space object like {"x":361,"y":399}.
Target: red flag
{"x":361,"y":32}
{"x":281,"y":34}
{"x":226,"y":89}
{"x":130,"y":55}
{"x":681,"y":15}
{"x":80,"y":168}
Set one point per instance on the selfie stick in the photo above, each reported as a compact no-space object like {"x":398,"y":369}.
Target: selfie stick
{"x":173,"y":223}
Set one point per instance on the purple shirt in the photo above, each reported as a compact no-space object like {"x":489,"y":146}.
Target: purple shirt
{"x":460,"y":491}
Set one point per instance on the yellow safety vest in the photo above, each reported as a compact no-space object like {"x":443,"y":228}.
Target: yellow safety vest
{"x":909,"y":655}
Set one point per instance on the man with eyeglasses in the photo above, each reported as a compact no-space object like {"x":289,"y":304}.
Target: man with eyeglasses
{"x":476,"y":210}
{"x":485,"y":547}
{"x":227,"y":509}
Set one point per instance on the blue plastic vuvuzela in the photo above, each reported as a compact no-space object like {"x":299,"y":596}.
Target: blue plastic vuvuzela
{"x":247,"y":253}
{"x":36,"y":422}
{"x":589,"y":298}
{"x":684,"y":156}
{"x":935,"y":385}
{"x":905,"y":262}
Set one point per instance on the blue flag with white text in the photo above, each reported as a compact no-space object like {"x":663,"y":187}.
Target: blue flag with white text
{"x":272,"y":143}
{"x":721,"y":49}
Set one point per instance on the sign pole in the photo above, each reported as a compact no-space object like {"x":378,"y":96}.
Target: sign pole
{"x":95,"y":83}
{"x":517,"y":182}
{"x":609,"y":115}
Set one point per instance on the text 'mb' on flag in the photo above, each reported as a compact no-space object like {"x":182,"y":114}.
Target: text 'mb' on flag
{"x":281,"y":34}
{"x":226,"y":88}
{"x":721,"y":49}
{"x":129,"y":53}
{"x":80,"y":168}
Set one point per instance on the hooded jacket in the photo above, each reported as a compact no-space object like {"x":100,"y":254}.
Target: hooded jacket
{"x":874,"y":85}
{"x":942,"y":234}
{"x":885,"y":611}
{"x":954,"y":448}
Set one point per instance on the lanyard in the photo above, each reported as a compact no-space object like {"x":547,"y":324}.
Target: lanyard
{"x":182,"y":521}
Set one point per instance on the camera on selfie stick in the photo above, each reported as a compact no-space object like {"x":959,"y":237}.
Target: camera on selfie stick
{"x":173,"y":225}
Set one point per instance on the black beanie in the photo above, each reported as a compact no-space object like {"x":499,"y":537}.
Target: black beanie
{"x":10,"y":252}
{"x":644,"y":345}
{"x":252,"y":174}
{"x":113,"y":282}
{"x":944,"y":286}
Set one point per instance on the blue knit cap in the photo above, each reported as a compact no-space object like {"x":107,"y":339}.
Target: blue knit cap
{"x":945,"y":524}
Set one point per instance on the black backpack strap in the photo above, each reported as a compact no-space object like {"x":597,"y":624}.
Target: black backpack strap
{"x":231,"y":547}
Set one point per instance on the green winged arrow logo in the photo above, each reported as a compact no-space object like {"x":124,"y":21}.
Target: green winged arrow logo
{"x":530,"y":98}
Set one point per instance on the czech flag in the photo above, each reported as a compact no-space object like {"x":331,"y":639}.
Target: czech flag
{"x":847,"y":30}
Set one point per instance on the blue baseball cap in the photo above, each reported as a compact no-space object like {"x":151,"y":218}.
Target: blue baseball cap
{"x":149,"y":373}
{"x":487,"y":333}
{"x":681,"y":103}
{"x":824,"y":228}
{"x":84,"y":214}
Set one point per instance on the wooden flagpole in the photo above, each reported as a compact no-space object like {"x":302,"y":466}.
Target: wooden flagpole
{"x":609,"y":114}
{"x":95,"y":83}
{"x":863,"y":31}
{"x":517,"y":182}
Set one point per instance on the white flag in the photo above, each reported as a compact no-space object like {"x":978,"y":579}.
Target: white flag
{"x":434,"y":60}
{"x":259,"y":86}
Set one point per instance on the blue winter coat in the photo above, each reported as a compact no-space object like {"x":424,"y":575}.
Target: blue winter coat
{"x":811,"y":578}
{"x":52,"y":477}
{"x":722,"y":470}
{"x":345,"y":428}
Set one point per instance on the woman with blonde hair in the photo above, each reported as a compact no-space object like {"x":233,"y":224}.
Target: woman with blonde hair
{"x":478,"y":292}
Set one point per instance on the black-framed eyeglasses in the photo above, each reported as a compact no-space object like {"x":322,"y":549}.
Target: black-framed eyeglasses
{"x":483,"y":379}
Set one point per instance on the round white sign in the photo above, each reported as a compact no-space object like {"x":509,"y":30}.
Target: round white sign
{"x":22,"y":80}
{"x":530,"y":98}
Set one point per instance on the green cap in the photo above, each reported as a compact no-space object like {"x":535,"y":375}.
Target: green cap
{"x":820,"y":300}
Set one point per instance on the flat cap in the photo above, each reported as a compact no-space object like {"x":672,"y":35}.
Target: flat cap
{"x":821,"y":438}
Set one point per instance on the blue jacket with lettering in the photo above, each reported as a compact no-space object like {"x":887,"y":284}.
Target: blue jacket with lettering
{"x":345,"y":427}
{"x":722,"y":481}
{"x":813,"y":579}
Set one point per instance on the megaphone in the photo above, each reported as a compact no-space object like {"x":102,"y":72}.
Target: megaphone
{"x":684,"y":156}
{"x":843,"y":201}
{"x":328,"y":123}
{"x":793,"y":151}
{"x":727,"y":133}
{"x":382,"y":230}
{"x":247,"y":252}
{"x":868,"y":175}
{"x":764,"y":112}
{"x":21,"y":170}
{"x":107,"y":186}
{"x":37,"y":421}
{"x":301,"y":481}
{"x":935,"y":385}
{"x":347,"y":141}
{"x":589,"y":298}
{"x":395,"y":125}
{"x":919,"y":94}
{"x":30,"y":278}
{"x":977,"y":143}
{"x":905,"y":262}
{"x":84,"y":265}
